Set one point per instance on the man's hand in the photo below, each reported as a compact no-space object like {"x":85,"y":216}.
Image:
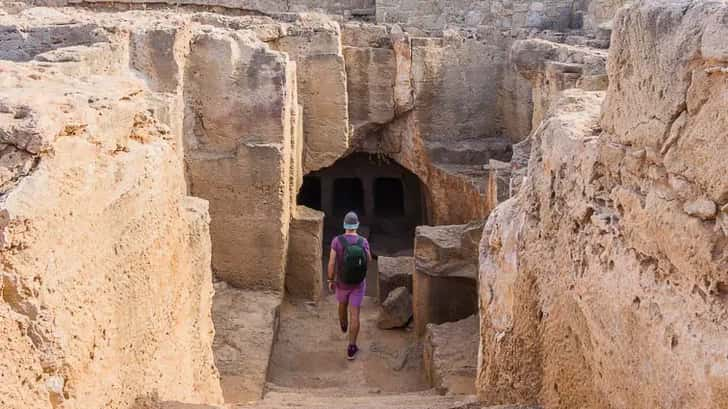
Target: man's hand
{"x":331,"y":270}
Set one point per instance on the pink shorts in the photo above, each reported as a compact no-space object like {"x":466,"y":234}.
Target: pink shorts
{"x":353,"y":295}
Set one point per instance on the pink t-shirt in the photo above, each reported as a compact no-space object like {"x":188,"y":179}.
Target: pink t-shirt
{"x":339,"y":249}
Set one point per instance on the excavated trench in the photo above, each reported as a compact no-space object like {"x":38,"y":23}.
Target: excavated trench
{"x":247,"y":106}
{"x":309,"y":350}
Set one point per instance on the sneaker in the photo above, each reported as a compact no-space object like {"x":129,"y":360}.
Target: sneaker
{"x":351,"y":352}
{"x":344,"y":326}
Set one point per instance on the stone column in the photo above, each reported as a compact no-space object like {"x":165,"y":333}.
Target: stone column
{"x":303,"y":272}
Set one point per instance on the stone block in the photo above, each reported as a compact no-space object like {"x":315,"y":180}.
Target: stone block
{"x":394,"y":272}
{"x":246,"y":323}
{"x":315,"y":46}
{"x":157,"y":54}
{"x":455,"y":102}
{"x":245,"y":220}
{"x":371,"y":77}
{"x":396,"y":310}
{"x":243,"y":167}
{"x":446,"y":267}
{"x":304,"y":268}
{"x":442,"y":299}
{"x":448,"y":251}
{"x":450,"y":355}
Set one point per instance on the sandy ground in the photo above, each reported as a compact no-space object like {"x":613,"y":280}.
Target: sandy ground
{"x":310,"y":352}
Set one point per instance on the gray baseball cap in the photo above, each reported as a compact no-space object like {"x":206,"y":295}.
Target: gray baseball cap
{"x":351,"y":221}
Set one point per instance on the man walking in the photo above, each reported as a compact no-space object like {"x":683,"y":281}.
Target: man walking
{"x":348,"y":260}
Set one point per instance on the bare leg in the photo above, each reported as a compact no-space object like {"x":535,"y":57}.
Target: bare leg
{"x":353,"y":324}
{"x":343,"y":312}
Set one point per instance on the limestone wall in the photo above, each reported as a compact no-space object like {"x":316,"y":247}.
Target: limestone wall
{"x":304,"y":272}
{"x":342,"y":8}
{"x":444,"y":284}
{"x":241,"y":165}
{"x":552,"y":68}
{"x":430,"y":16}
{"x":606,"y":274}
{"x":503,"y":15}
{"x":432,"y":104}
{"x":314,"y":43}
{"x":106,"y":283}
{"x":337,"y":7}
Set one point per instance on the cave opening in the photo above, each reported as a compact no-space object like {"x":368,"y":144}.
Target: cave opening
{"x":348,"y":196}
{"x":388,"y":197}
{"x":310,"y":193}
{"x":390,"y":200}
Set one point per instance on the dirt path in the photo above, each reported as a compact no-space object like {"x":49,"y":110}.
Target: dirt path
{"x":310,"y":352}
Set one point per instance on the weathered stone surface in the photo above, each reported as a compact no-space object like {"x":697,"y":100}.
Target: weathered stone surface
{"x":702,"y":208}
{"x":450,"y":355}
{"x":379,"y":85}
{"x":676,"y":113}
{"x":245,"y":326}
{"x":94,"y":231}
{"x":499,"y":178}
{"x":394,"y":272}
{"x":396,"y":310}
{"x":445,"y":277}
{"x":314,"y":43}
{"x":343,"y":8}
{"x":588,"y":288}
{"x":39,"y":30}
{"x":448,"y":95}
{"x":305,"y":243}
{"x":433,"y":15}
{"x":371,"y":72}
{"x":448,"y":251}
{"x":552,"y":68}
{"x":442,"y":299}
{"x":159,"y":52}
{"x":260,"y":99}
{"x":600,"y":13}
{"x":241,"y":166}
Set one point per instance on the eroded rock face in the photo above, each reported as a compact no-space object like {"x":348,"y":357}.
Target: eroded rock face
{"x":606,"y":273}
{"x":246,"y":323}
{"x":450,"y":355}
{"x":106,"y":285}
{"x":394,"y":272}
{"x":304,"y":269}
{"x":553,"y":67}
{"x":243,"y":167}
{"x":314,"y":43}
{"x":490,"y":14}
{"x":212,"y":99}
{"x":448,"y":251}
{"x":445,"y":280}
{"x":396,"y":310}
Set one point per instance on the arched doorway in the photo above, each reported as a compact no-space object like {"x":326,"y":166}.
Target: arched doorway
{"x":389,"y":199}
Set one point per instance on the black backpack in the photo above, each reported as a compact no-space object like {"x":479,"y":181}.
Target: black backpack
{"x":354,"y":266}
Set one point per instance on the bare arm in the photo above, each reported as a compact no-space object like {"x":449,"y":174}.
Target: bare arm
{"x":332,"y":265}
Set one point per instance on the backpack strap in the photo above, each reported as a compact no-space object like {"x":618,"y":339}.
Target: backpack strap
{"x":360,"y":242}
{"x":344,"y":242}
